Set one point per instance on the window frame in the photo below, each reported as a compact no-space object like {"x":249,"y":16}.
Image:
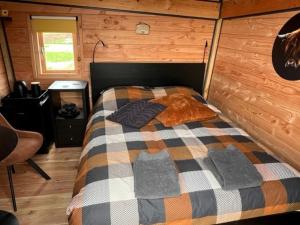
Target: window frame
{"x":38,"y":59}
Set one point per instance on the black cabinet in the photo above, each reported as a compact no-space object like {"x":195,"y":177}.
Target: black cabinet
{"x":30,"y":113}
{"x":69,"y":132}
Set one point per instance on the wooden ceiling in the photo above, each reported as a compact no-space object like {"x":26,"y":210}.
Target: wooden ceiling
{"x":208,"y":9}
{"x":236,"y":8}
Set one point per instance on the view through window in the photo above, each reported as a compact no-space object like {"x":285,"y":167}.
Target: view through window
{"x":58,"y":51}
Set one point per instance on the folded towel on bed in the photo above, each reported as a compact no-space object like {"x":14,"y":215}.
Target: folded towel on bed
{"x":155,"y":176}
{"x":232,"y":169}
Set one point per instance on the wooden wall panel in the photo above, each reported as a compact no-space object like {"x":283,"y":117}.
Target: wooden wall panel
{"x":207,"y":9}
{"x":19,"y":44}
{"x":247,"y":89}
{"x":4,"y":87}
{"x":171,"y":39}
{"x":233,"y":8}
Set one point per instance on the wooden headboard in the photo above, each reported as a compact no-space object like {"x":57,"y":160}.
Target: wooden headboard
{"x":109,"y":74}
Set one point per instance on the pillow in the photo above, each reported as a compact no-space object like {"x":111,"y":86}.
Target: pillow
{"x":182,"y":108}
{"x":136,"y":114}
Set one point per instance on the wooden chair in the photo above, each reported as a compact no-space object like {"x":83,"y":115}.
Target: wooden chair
{"x":28,"y":143}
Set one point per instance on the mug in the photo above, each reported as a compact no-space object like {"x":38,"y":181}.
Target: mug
{"x":35,"y":89}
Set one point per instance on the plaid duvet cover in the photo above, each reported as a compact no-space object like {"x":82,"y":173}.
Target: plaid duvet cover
{"x":104,"y":188}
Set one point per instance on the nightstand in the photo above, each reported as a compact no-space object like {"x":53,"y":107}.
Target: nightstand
{"x":69,"y":132}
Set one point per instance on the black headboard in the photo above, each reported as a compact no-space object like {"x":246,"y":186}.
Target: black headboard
{"x":110,"y":74}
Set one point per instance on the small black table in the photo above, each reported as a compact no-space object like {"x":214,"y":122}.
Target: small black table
{"x":31,"y":114}
{"x":8,"y":141}
{"x":69,"y":132}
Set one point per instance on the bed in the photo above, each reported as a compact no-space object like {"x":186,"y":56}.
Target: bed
{"x":104,"y":188}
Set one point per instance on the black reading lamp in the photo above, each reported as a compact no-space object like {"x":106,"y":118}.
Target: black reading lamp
{"x":103,"y":45}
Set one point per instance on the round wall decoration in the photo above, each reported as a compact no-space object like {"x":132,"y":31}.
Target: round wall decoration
{"x":286,"y":50}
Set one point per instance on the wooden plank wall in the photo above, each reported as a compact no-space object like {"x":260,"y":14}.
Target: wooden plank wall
{"x":247,"y":89}
{"x":4,"y":88}
{"x":170,"y":40}
{"x":232,"y":8}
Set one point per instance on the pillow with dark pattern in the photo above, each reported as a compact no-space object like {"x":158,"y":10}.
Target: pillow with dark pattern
{"x":136,"y":114}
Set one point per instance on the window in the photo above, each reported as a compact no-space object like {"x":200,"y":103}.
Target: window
{"x":55,"y":45}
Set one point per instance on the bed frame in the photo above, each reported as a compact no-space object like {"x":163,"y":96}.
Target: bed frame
{"x":108,"y":74}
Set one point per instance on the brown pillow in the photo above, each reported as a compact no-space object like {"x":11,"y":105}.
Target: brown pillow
{"x":182,"y":108}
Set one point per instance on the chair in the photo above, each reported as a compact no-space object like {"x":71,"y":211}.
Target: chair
{"x":28,"y":143}
{"x":7,"y":218}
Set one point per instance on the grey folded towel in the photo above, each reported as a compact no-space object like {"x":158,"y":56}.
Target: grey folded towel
{"x":232,"y":169}
{"x":155,"y":176}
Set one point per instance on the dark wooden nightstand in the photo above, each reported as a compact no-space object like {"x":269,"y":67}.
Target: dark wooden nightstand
{"x":69,"y":132}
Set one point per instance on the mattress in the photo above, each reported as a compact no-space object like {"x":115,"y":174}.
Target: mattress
{"x":104,"y":187}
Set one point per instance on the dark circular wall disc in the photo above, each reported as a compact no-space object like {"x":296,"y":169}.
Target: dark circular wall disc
{"x":280,"y":57}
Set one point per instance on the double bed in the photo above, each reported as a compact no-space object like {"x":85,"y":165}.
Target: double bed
{"x":104,"y":187}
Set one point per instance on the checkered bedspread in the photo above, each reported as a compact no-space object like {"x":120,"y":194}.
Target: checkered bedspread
{"x":104,"y":188}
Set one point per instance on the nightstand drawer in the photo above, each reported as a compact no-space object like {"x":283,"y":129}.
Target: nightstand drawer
{"x":65,"y":125}
{"x":69,"y":140}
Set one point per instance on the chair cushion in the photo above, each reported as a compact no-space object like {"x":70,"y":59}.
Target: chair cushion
{"x":182,"y":108}
{"x":136,"y":114}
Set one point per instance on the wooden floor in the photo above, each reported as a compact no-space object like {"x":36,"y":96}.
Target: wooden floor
{"x":40,"y":201}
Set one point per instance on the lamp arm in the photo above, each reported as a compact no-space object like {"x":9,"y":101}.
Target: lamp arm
{"x":96,"y":48}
